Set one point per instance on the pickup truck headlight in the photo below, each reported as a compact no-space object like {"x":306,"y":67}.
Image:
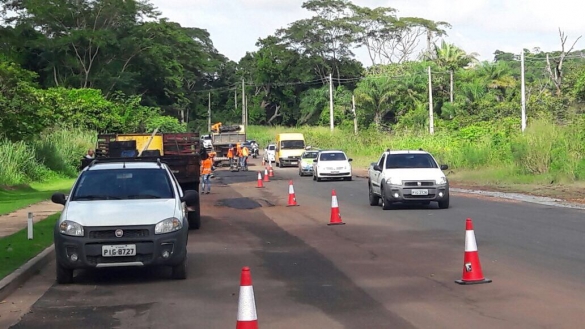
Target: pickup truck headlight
{"x":395,"y":181}
{"x":72,"y":228}
{"x":168,"y":225}
{"x":442,"y":181}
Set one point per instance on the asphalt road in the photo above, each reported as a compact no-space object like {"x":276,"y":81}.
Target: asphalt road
{"x":383,"y":269}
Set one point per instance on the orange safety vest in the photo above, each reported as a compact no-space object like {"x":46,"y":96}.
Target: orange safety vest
{"x":245,"y":151}
{"x":206,"y":166}
{"x":230,"y":153}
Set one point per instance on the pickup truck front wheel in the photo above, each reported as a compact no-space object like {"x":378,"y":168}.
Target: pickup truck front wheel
{"x":385,"y":204}
{"x":179,"y":271}
{"x":444,"y":204}
{"x":374,"y":199}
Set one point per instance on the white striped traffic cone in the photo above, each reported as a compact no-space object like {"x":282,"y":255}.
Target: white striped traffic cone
{"x":335,"y":216}
{"x":472,"y":272}
{"x":260,"y":185}
{"x":247,"y":318}
{"x":292,"y":199}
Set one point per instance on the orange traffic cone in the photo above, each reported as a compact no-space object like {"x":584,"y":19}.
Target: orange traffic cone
{"x":292,"y":199}
{"x":266,"y":179}
{"x":247,"y":317}
{"x":270,"y":171}
{"x":472,"y":273}
{"x":335,"y":216}
{"x":260,"y":185}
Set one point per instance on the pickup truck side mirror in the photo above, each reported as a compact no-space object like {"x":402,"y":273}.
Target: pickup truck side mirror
{"x":444,"y":167}
{"x":315,"y":160}
{"x":377,"y":168}
{"x":350,"y":159}
{"x":59,"y":198}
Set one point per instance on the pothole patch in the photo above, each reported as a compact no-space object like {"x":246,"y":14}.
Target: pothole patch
{"x":239,"y":203}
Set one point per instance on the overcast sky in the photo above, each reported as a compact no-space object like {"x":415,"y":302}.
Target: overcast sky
{"x":480,"y":26}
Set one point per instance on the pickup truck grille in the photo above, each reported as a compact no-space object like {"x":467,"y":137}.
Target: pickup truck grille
{"x":110,"y":234}
{"x":419,"y":183}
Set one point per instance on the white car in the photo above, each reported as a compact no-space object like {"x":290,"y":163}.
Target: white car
{"x":270,"y":153}
{"x":332,"y":164}
{"x":207,"y":142}
{"x":123,"y":213}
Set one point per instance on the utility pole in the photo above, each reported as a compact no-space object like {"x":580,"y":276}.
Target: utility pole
{"x":246,"y":115}
{"x":236,"y":98}
{"x":243,"y":103}
{"x":209,"y":113}
{"x":523,"y":91}
{"x":331,"y":101}
{"x":355,"y":128}
{"x":431,"y":121}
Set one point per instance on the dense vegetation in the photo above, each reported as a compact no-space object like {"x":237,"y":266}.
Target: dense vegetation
{"x":69,"y":69}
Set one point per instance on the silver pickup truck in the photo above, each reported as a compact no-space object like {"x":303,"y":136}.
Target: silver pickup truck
{"x":407,"y":177}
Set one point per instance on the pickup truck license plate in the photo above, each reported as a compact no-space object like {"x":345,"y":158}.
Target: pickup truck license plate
{"x":419,"y":192}
{"x":119,"y":250}
{"x":335,"y":172}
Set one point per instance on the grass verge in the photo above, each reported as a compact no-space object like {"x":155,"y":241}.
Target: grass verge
{"x":16,"y":249}
{"x":546,"y":160}
{"x":20,"y":197}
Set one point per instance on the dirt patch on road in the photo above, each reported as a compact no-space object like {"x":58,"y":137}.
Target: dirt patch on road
{"x":570,"y":193}
{"x":239,"y":203}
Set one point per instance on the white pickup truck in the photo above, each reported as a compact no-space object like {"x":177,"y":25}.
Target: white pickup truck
{"x":407,"y":177}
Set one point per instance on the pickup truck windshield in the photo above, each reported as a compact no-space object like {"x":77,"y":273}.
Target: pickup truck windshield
{"x":332,"y":157}
{"x":292,"y":145}
{"x":123,"y":184}
{"x":271,"y":148}
{"x":400,"y":161}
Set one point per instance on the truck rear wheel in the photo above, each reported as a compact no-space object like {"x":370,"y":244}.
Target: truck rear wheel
{"x":194,"y":218}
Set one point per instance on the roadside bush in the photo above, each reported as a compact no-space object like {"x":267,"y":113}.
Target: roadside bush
{"x":544,"y":149}
{"x":18,"y":163}
{"x":60,"y":150}
{"x":55,"y":153}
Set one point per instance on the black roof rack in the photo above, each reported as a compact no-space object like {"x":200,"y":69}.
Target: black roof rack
{"x":125,"y":159}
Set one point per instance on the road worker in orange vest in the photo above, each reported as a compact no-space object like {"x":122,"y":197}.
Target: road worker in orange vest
{"x":245,"y":154}
{"x":206,"y":166}
{"x":212,"y":156}
{"x":239,"y":154}
{"x":230,"y":154}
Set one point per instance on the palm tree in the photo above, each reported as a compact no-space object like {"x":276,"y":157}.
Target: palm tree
{"x":451,"y":57}
{"x":498,"y":77}
{"x":376,"y":93}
